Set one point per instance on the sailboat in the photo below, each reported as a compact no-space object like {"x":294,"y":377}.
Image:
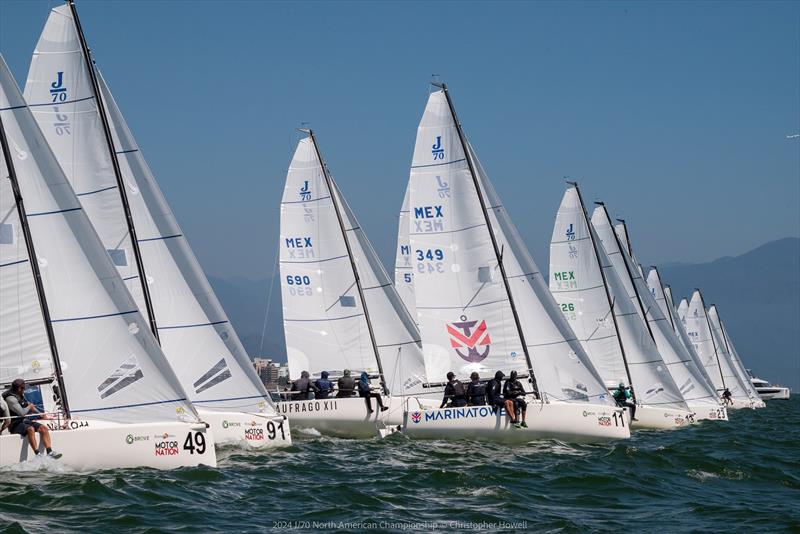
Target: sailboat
{"x":483,"y":306}
{"x":699,"y":395}
{"x":340,"y":309}
{"x":725,"y":345}
{"x":698,"y":326}
{"x":594,"y":301}
{"x":117,"y":190}
{"x":663,"y":297}
{"x":70,"y":328}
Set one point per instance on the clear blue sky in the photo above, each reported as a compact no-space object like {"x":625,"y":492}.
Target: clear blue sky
{"x":675,"y":114}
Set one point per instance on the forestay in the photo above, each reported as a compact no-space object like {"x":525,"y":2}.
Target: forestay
{"x":588,"y":290}
{"x":325,"y":320}
{"x":403,"y":272}
{"x":195,"y":333}
{"x":112,"y":366}
{"x":61,"y":95}
{"x":693,"y":386}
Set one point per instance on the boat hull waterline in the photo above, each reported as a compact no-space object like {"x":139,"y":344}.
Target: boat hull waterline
{"x":576,"y":423}
{"x":88,"y":445}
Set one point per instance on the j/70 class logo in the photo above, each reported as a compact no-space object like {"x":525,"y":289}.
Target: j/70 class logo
{"x":469,"y":339}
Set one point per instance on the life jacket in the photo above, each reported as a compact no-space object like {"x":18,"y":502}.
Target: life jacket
{"x":347,"y":385}
{"x":476,"y":393}
{"x":458,"y":390}
{"x":15,"y":419}
{"x":494,"y":391}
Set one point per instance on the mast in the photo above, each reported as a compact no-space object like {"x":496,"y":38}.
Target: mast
{"x":711,"y":333}
{"x":664,"y":294}
{"x":605,"y":286}
{"x":627,"y":267}
{"x":87,"y":56}
{"x":330,"y":185}
{"x":37,"y":275}
{"x":627,"y":236}
{"x":497,"y":252}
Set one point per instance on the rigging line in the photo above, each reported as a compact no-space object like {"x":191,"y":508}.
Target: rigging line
{"x":269,"y":300}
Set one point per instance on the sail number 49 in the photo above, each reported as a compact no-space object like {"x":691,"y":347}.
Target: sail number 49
{"x":195,"y":442}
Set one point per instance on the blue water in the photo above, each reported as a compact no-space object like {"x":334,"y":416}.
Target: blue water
{"x":739,"y":476}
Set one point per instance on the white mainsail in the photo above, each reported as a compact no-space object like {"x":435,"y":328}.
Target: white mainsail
{"x":326,"y":323}
{"x":726,"y":347}
{"x":594,"y":301}
{"x":465,"y":311}
{"x":24,"y":346}
{"x":687,"y":376}
{"x":193,"y":329}
{"x":403,"y":272}
{"x":112,"y":366}
{"x":698,"y":326}
{"x":61,"y":96}
{"x":663,"y":297}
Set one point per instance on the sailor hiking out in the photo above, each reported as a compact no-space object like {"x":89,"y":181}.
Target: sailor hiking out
{"x":23,"y":420}
{"x":514,"y":393}
{"x":624,"y":398}
{"x":365,"y":391}
{"x":455,"y":395}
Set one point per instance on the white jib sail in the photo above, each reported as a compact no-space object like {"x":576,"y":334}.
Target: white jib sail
{"x":61,"y":96}
{"x":687,"y":376}
{"x":195,"y":333}
{"x":403,"y":272}
{"x":663,"y":297}
{"x":583,"y":292}
{"x":736,"y":364}
{"x":713,"y":355}
{"x":324,"y":317}
{"x":112,"y":366}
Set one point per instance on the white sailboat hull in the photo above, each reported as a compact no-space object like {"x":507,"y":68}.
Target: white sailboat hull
{"x":709,"y":412}
{"x":104,"y":445}
{"x":577,"y":423}
{"x":653,"y":418}
{"x":247,"y":430}
{"x":341,"y":417}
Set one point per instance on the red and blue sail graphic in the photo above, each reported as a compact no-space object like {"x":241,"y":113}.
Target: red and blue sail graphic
{"x":462,"y":336}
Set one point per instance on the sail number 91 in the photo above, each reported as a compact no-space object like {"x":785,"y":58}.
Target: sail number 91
{"x":430,"y":260}
{"x":299,"y":285}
